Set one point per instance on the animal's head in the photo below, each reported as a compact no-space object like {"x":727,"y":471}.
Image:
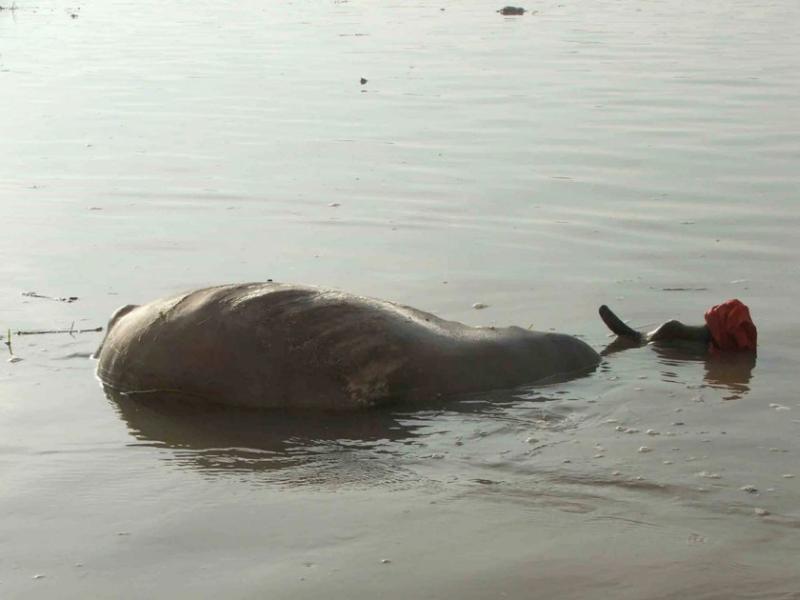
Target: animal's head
{"x":118,"y":314}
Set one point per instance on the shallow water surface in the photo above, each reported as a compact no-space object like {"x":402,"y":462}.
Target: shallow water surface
{"x":641,"y":154}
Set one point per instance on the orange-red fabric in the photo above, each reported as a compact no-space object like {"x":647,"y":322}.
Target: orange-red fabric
{"x":731,"y":326}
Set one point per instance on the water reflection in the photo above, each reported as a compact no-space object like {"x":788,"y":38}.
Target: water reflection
{"x":727,"y":371}
{"x":219,"y":437}
{"x":314,"y":447}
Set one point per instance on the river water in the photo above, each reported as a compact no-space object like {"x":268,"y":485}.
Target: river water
{"x":637,"y":153}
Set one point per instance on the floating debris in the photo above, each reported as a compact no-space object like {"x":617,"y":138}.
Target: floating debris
{"x":385,"y":561}
{"x":480,"y":306}
{"x":510,"y":11}
{"x":761,"y":512}
{"x":652,"y":432}
{"x":38,"y":576}
{"x":696,"y":538}
{"x":750,"y":489}
{"x":363,"y":81}
{"x":787,"y":475}
{"x":631,"y":430}
{"x":708,"y":475}
{"x":70,"y":331}
{"x":779,"y":406}
{"x":619,"y":428}
{"x":667,"y":462}
{"x":334,"y":204}
{"x":15,"y":359}
{"x":644,"y":449}
{"x":67,"y":299}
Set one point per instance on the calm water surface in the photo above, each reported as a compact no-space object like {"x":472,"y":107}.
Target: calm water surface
{"x":642,"y":154}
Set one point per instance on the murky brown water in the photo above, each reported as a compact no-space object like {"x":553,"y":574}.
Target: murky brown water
{"x":641,"y":154}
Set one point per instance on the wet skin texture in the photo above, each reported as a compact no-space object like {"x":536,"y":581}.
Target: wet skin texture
{"x":278,"y":345}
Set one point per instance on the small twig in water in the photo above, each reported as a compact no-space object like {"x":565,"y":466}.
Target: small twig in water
{"x":67,"y":299}
{"x":70,"y":331}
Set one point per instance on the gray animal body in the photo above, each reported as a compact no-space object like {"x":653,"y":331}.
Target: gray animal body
{"x":279,"y":345}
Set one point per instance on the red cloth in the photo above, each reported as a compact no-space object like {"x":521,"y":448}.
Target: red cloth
{"x":731,"y":326}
